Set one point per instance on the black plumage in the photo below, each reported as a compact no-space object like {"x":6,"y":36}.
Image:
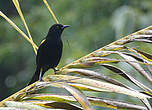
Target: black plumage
{"x":49,"y":52}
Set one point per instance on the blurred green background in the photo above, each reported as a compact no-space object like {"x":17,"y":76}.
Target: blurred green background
{"x":93,"y":25}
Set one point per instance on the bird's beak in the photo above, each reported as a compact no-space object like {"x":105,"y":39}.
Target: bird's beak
{"x":65,"y":26}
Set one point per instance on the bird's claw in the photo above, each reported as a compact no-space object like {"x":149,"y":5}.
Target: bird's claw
{"x":55,"y":70}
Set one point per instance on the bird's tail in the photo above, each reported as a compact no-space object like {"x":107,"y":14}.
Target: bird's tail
{"x":35,"y":76}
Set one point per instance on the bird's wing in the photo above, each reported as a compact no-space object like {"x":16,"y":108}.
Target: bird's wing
{"x":42,"y":41}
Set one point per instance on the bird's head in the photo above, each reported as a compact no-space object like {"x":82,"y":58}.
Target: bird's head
{"x":57,"y":29}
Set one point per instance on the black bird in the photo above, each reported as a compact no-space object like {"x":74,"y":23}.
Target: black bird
{"x":49,"y":52}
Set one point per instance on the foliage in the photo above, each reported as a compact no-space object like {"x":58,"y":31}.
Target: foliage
{"x":121,"y":67}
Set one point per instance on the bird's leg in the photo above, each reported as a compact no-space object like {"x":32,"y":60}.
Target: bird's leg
{"x":40,"y":76}
{"x":55,"y":70}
